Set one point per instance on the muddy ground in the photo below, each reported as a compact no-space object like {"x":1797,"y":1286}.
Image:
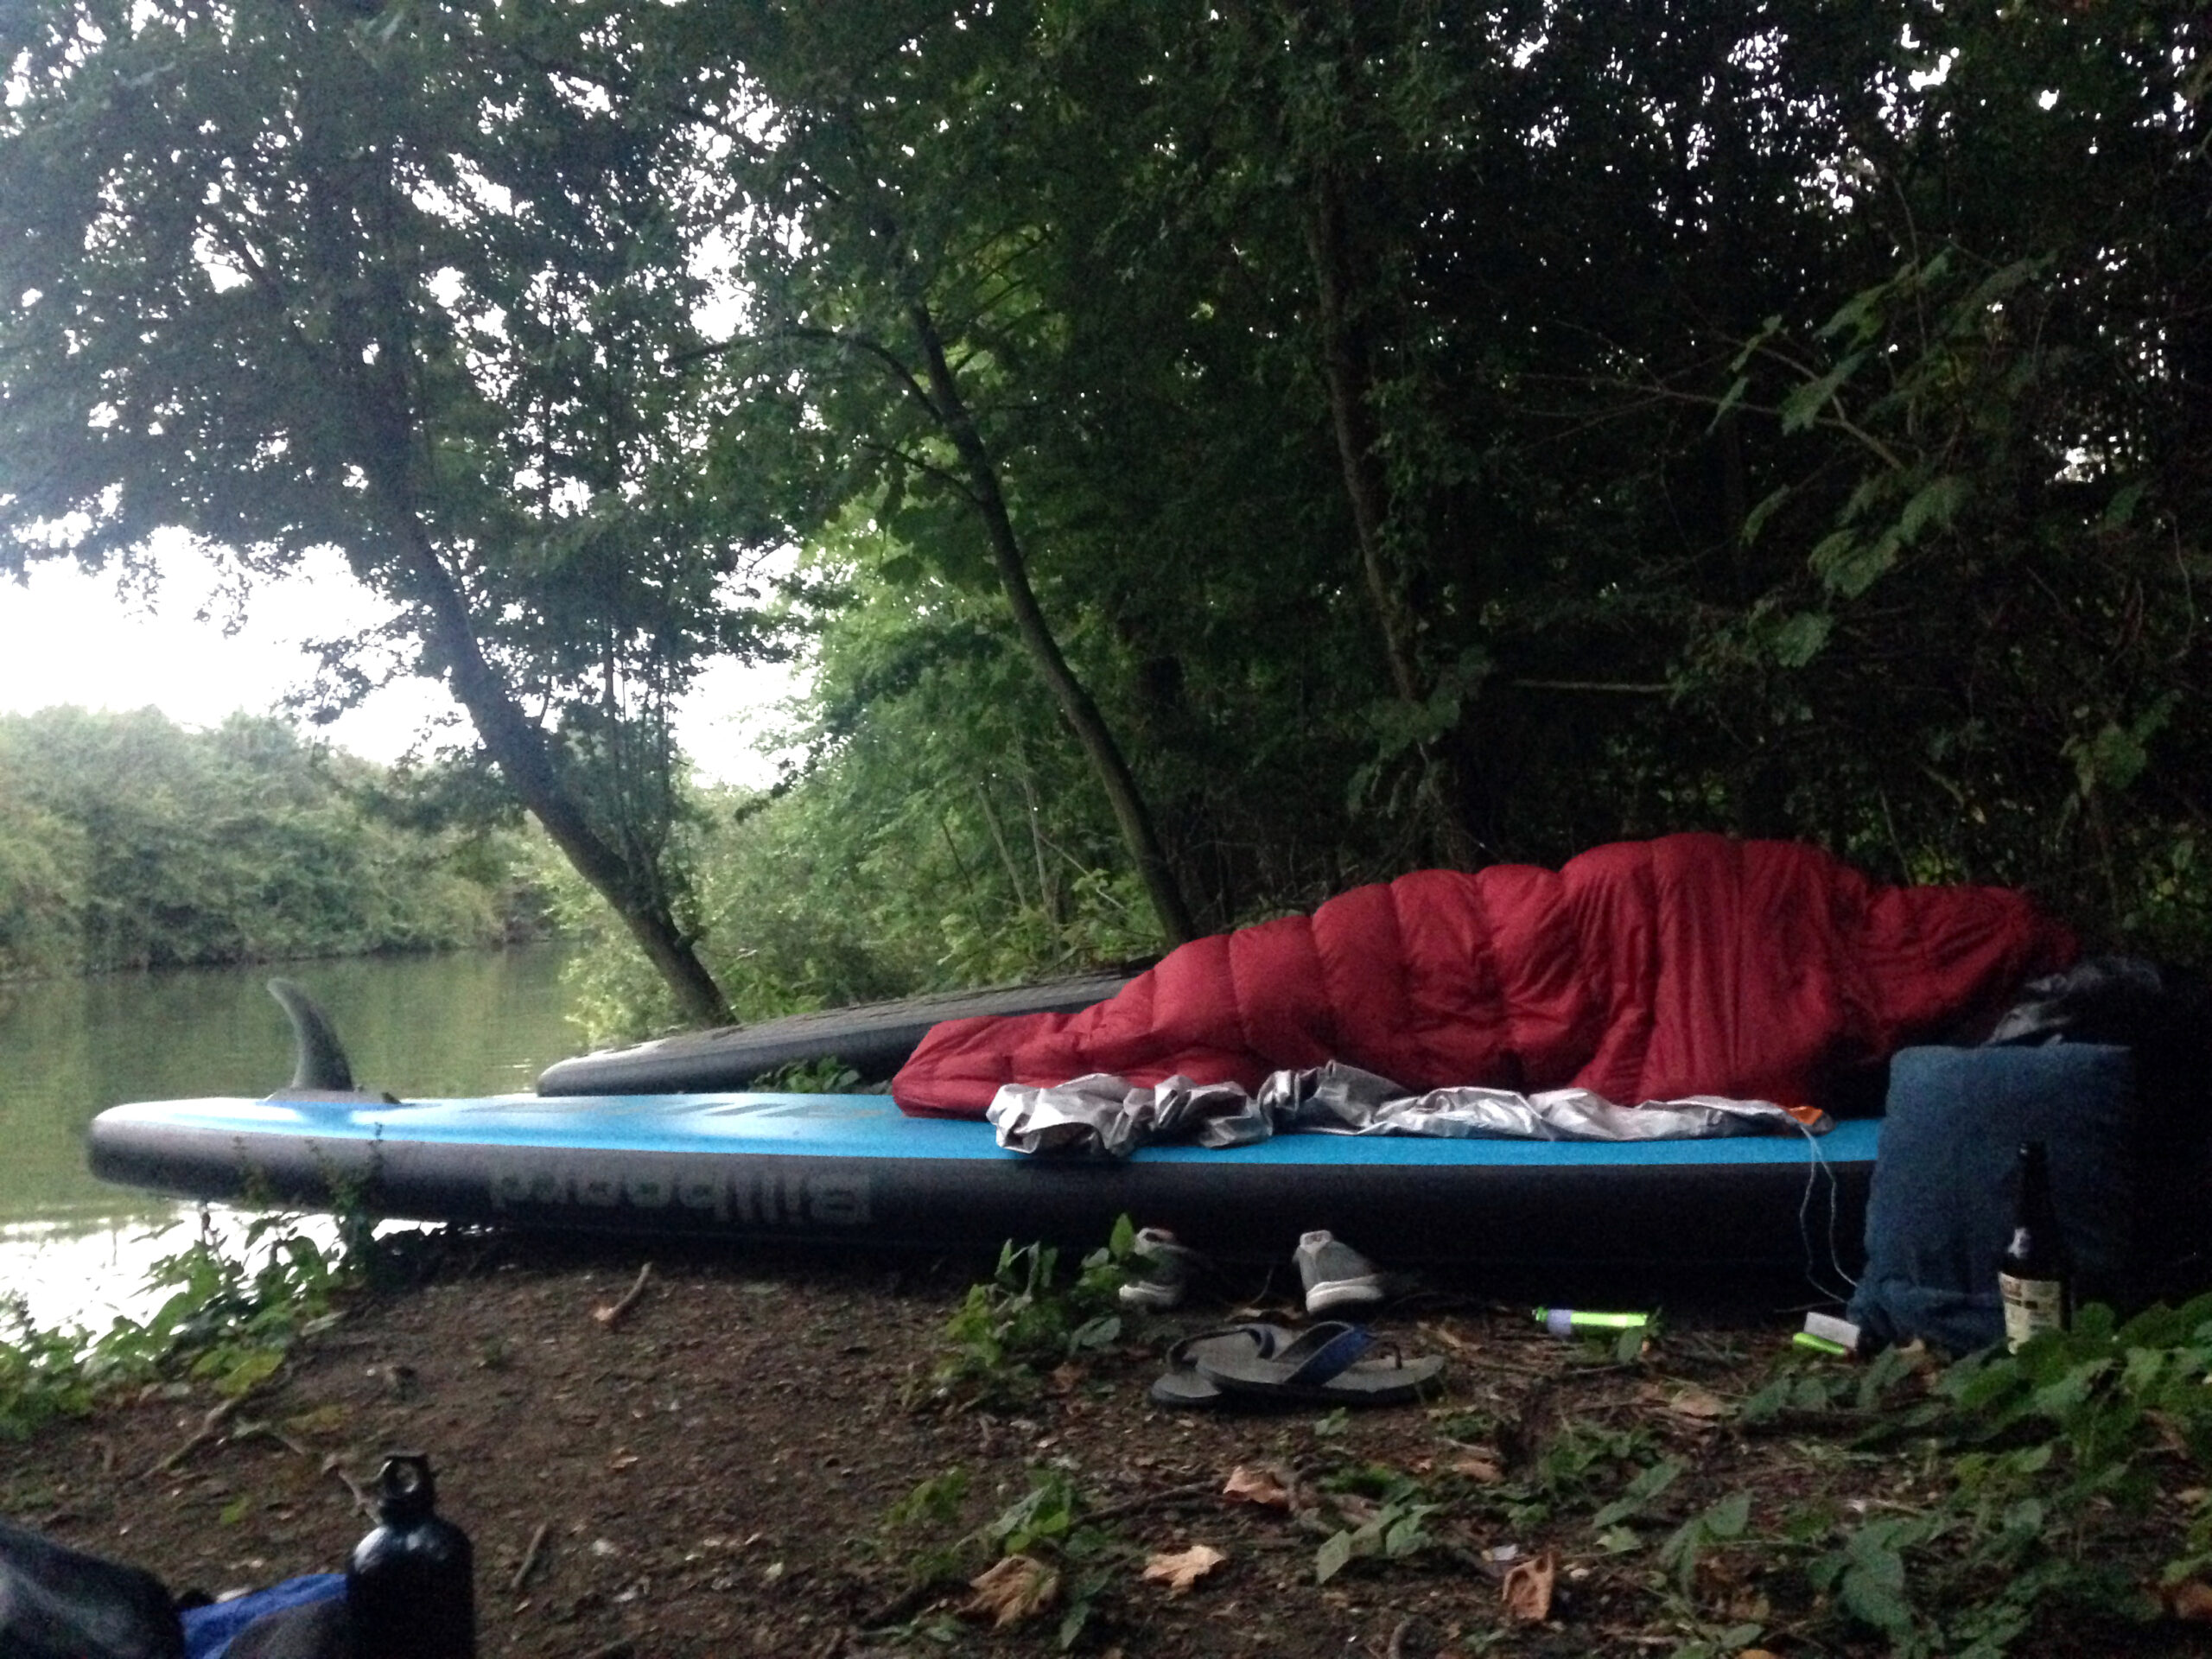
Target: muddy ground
{"x":729,"y":1467}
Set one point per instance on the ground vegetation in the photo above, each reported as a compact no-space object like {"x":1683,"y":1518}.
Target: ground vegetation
{"x":657,"y":1453}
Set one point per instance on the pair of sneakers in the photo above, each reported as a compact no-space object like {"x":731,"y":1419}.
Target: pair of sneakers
{"x":1334,"y":1275}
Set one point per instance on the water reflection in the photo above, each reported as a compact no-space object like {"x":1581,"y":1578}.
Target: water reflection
{"x":473,"y":1023}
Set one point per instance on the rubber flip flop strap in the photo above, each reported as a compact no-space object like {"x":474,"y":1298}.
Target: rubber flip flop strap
{"x":1335,"y":1356}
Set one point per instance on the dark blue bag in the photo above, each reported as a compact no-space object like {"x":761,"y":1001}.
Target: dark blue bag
{"x":1942,"y":1207}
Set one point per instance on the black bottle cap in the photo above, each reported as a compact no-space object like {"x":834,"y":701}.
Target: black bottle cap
{"x":406,"y":1492}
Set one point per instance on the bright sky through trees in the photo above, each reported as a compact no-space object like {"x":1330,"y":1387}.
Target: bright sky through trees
{"x":69,"y":638}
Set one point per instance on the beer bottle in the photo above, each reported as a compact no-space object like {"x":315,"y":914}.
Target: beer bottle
{"x":410,"y":1586}
{"x":2034,"y":1277}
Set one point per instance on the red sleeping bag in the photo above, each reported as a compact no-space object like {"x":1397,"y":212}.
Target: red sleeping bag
{"x":1644,"y":971}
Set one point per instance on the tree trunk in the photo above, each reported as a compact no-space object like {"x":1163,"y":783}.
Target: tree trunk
{"x":1130,"y":812}
{"x":1350,"y":377}
{"x":1345,"y":369}
{"x":519,"y":747}
{"x":384,"y":403}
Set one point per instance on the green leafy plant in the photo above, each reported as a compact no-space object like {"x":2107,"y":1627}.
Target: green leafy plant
{"x":1386,"y":1512}
{"x":1577,"y":1464}
{"x":936,"y":1500}
{"x":232,"y":1321}
{"x":2048,"y":1466}
{"x":1043,"y":1526}
{"x":1867,"y":1573}
{"x":42,"y":1374}
{"x":227,"y":1319}
{"x":1047,"y":1523}
{"x":1638,"y":1495}
{"x":1812,"y":1389}
{"x":1023,"y":1321}
{"x":1719,"y":1523}
{"x":932,"y":1506}
{"x":826,"y":1076}
{"x":1042,"y":1516}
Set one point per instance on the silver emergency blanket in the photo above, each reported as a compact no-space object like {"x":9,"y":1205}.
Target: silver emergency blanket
{"x":1101,"y":1115}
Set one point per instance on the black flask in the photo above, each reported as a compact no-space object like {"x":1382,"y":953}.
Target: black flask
{"x":410,"y":1586}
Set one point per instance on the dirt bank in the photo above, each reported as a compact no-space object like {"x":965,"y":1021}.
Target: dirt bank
{"x":729,"y":1468}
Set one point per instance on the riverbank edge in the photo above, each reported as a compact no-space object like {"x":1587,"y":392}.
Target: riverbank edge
{"x":777,"y":1442}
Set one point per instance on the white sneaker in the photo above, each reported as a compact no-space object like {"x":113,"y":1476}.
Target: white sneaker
{"x":1334,"y":1274}
{"x":1164,"y":1269}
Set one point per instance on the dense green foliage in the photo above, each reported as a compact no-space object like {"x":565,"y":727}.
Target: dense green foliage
{"x":903,"y":861}
{"x":1447,"y":436}
{"x":127,"y":841}
{"x":1235,"y":451}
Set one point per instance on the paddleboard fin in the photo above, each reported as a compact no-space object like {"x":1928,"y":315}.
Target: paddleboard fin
{"x":321,"y":1068}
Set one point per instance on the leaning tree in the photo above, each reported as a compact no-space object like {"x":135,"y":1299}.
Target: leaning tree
{"x":284,"y":277}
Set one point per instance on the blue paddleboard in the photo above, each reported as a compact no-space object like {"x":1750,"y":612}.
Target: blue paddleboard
{"x":851,"y":1167}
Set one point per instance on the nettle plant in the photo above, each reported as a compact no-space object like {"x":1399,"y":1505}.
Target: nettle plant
{"x":2069,"y":1476}
{"x":1024,"y":1321}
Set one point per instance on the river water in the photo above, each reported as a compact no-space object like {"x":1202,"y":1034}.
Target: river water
{"x":75,"y":1249}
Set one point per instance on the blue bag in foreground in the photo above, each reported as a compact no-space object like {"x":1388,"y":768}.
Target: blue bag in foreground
{"x":307,"y":1614}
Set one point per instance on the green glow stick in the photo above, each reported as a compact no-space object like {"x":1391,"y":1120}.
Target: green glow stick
{"x":1570,"y":1321}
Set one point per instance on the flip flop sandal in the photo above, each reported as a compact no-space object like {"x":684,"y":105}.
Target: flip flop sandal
{"x":1325,"y":1366}
{"x":1181,"y":1388}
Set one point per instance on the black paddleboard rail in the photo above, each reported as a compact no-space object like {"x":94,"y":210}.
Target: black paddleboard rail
{"x":1651,"y":1215}
{"x":873,"y":1038}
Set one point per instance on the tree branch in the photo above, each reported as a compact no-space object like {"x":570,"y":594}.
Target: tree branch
{"x":883,"y":354}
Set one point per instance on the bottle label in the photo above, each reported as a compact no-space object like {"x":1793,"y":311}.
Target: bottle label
{"x":2031,"y":1307}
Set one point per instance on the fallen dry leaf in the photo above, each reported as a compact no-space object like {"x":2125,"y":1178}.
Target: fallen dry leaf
{"x":1250,"y":1485}
{"x":2192,"y":1601}
{"x":1756,"y":1653}
{"x":2170,"y":1434}
{"x":1526,"y":1591}
{"x":1016,"y":1588}
{"x":1694,"y":1401}
{"x":1482,"y":1471}
{"x":1178,"y":1569}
